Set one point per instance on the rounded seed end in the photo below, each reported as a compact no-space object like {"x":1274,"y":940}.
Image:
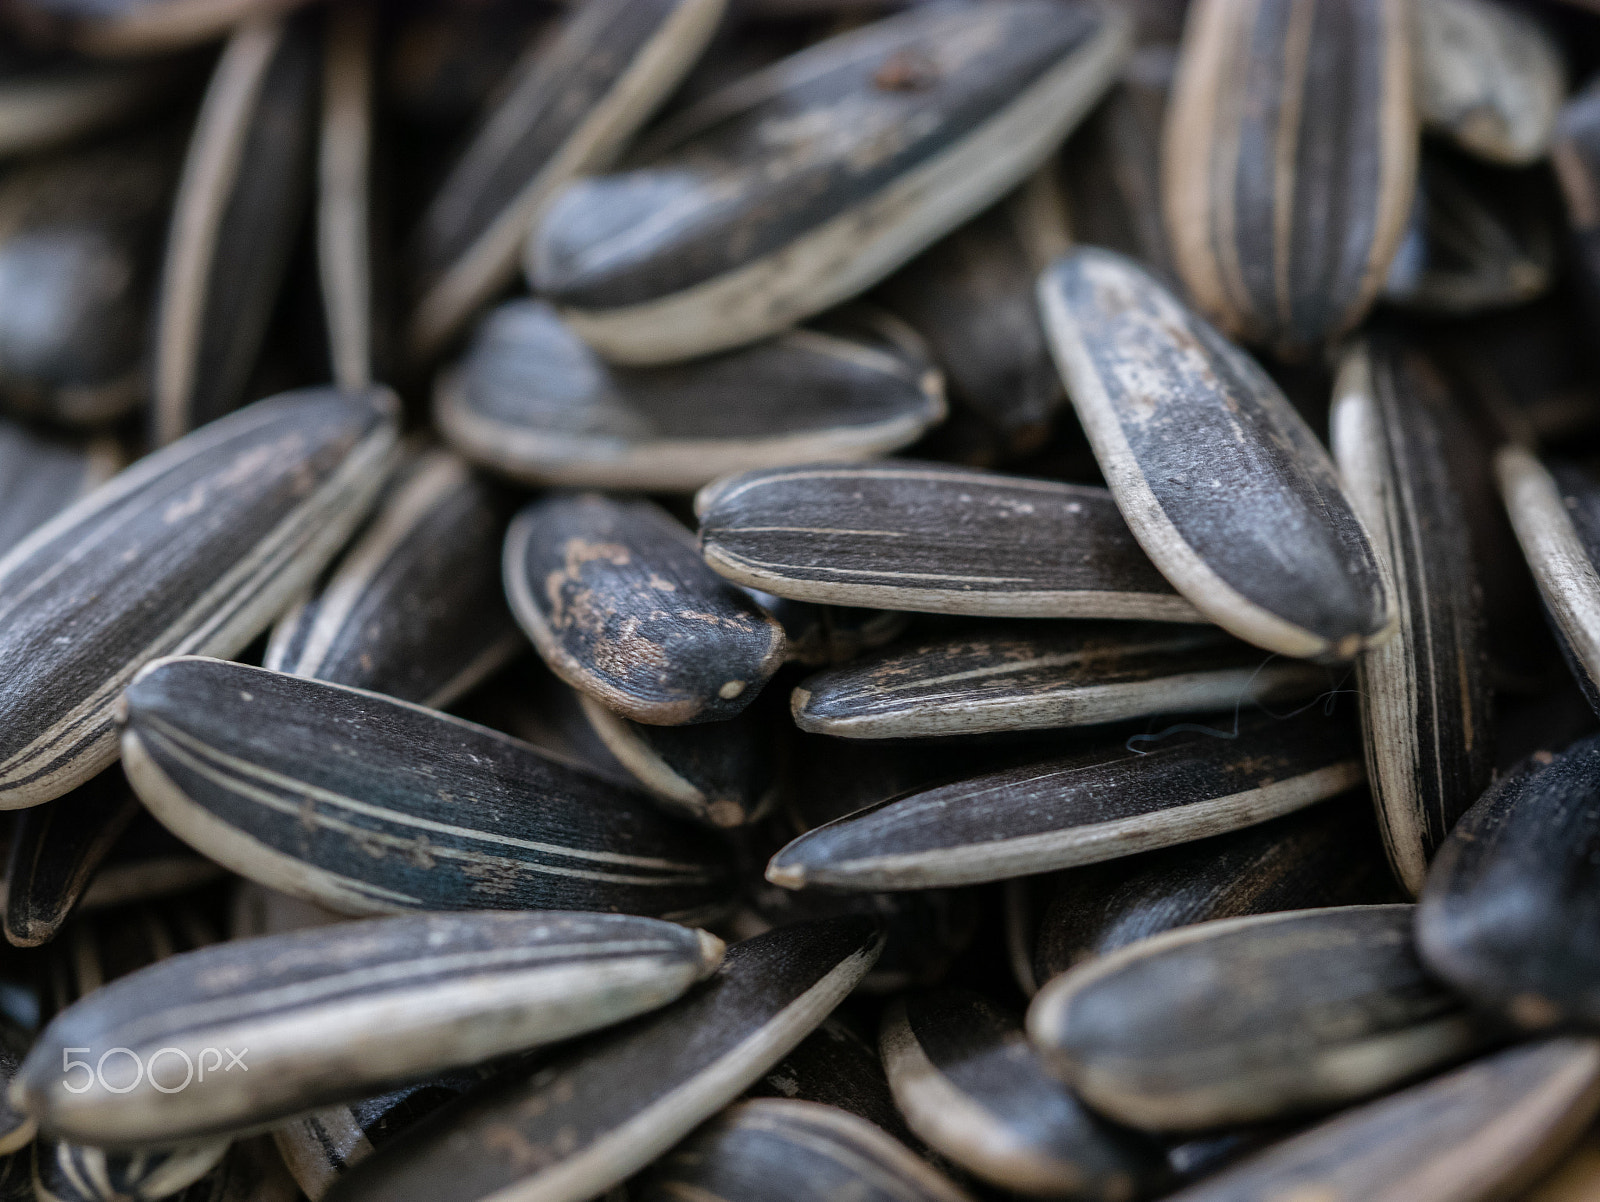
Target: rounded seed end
{"x":787,"y":876}
{"x":711,"y":952}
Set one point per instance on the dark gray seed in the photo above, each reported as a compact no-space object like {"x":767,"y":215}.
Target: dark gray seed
{"x":41,"y":475}
{"x":1220,"y":479}
{"x":963,"y":1073}
{"x":1556,"y":514}
{"x":54,"y":851}
{"x":193,"y":549}
{"x":16,"y":1127}
{"x":1289,"y":160}
{"x":125,"y":28}
{"x":1032,"y":676}
{"x":240,"y":203}
{"x":971,"y":297}
{"x":1327,"y":855}
{"x":80,"y":235}
{"x":777,"y":1150}
{"x":1489,"y":78}
{"x":1479,"y":238}
{"x":1425,"y":694}
{"x":369,"y":805}
{"x":835,"y":1066}
{"x":96,"y":948}
{"x":723,"y":774}
{"x":342,"y":1011}
{"x":1247,"y":1019}
{"x":1509,"y":913}
{"x":621,"y":607}
{"x":820,"y":635}
{"x":1477,"y":1133}
{"x":1096,"y":805}
{"x":800,"y":186}
{"x":344,"y":154}
{"x":567,"y":109}
{"x":149,"y":861}
{"x":613,"y":1103}
{"x":931,"y":538}
{"x":72,"y":1173}
{"x":532,"y":401}
{"x":47,"y":100}
{"x":415,"y":609}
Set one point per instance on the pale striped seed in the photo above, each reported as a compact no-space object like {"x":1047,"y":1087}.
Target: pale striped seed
{"x":72,"y":1173}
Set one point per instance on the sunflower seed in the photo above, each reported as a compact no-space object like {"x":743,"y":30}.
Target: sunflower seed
{"x":344,"y":231}
{"x":1506,"y":915}
{"x":621,"y":607}
{"x":415,"y":609}
{"x":41,"y":475}
{"x":47,"y":100}
{"x":963,"y":1073}
{"x":118,"y":28}
{"x":54,"y":851}
{"x":1288,"y":173}
{"x":240,"y":202}
{"x":570,"y":106}
{"x":1489,"y":77}
{"x":149,"y":861}
{"x":804,"y":184}
{"x":1325,"y":855}
{"x":195,"y":548}
{"x":341,"y":1011}
{"x":532,"y":401}
{"x":80,"y":232}
{"x":615,"y":1102}
{"x":1223,"y":484}
{"x":1479,"y":1132}
{"x":932,"y":539}
{"x":1032,"y":675}
{"x":369,"y":805}
{"x":774,"y":1148}
{"x":835,"y":1066}
{"x":1246,"y":1019}
{"x":70,"y":1173}
{"x":1095,"y":805}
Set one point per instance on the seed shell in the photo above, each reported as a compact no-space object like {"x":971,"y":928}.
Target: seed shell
{"x":1221,"y":481}
{"x":1034,"y":676}
{"x":344,"y":165}
{"x":1288,"y":173}
{"x":621,"y":607}
{"x":337,"y":1012}
{"x":773,"y":1149}
{"x":240,"y":202}
{"x":40,"y":475}
{"x":531,"y":401}
{"x":1095,"y":805}
{"x":615,"y":1102}
{"x":1248,"y":1019}
{"x":70,"y":1173}
{"x":369,"y":805}
{"x":930,"y":538}
{"x":1480,"y":1132}
{"x":415,"y":609}
{"x":193,"y":549}
{"x":568,"y":108}
{"x":800,"y":186}
{"x":963,"y":1073}
{"x":127,"y":28}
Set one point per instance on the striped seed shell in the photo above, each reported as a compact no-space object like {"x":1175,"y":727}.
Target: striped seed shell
{"x":613,"y":1103}
{"x":341,"y":1011}
{"x":65,"y":1172}
{"x":369,"y":805}
{"x":1425,"y":694}
{"x":1508,"y":915}
{"x":780,"y":1150}
{"x":1220,"y":479}
{"x":835,"y":1066}
{"x":1471,"y":1135}
{"x":240,"y":203}
{"x":621,"y":607}
{"x":344,"y":166}
{"x":931,"y":538}
{"x":532,"y":401}
{"x":1247,"y":1019}
{"x":1289,"y":158}
{"x":1034,"y":675}
{"x":40,"y":475}
{"x":1325,"y":855}
{"x":1095,"y":805}
{"x":55,"y":850}
{"x":802,"y":185}
{"x":1489,"y":77}
{"x":415,"y":608}
{"x":963,"y":1073}
{"x":193,"y":549}
{"x":568,"y":108}
{"x":127,"y":28}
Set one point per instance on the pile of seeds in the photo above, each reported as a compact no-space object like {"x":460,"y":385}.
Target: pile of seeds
{"x":800,"y":600}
